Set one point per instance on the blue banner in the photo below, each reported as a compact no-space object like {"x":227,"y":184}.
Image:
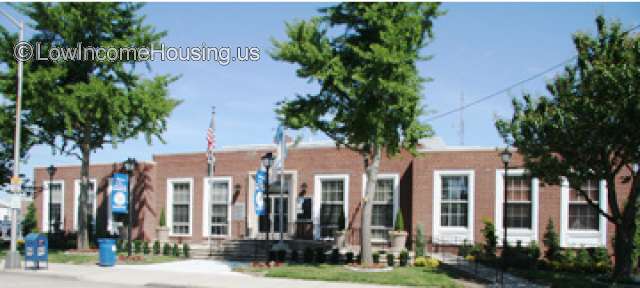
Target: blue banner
{"x":258,"y":198}
{"x":120,"y":193}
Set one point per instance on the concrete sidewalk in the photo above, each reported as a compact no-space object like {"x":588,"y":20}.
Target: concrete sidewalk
{"x":163,"y":275}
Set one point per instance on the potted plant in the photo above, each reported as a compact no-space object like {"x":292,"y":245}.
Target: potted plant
{"x":341,"y":232}
{"x":162,"y":232}
{"x":398,"y":236}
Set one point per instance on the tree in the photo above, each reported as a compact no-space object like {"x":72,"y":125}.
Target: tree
{"x":588,"y":128}
{"x":77,"y":107}
{"x":29,"y":222}
{"x":370,"y":90}
{"x":551,"y":242}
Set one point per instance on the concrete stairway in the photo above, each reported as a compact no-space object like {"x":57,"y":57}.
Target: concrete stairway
{"x":233,"y":250}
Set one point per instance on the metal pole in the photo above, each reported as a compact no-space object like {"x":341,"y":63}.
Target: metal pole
{"x":266,"y":197}
{"x":12,"y":260}
{"x":504,"y":223}
{"x":281,"y":205}
{"x":129,"y":244}
{"x":50,"y":200}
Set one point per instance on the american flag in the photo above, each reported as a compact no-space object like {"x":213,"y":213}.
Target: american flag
{"x":211,"y":141}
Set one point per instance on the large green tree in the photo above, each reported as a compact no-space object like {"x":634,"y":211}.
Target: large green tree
{"x":77,"y":107}
{"x":363,"y":56}
{"x":588,"y":128}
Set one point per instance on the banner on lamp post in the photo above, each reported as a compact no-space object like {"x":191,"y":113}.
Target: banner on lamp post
{"x":120,"y":193}
{"x":258,"y":197}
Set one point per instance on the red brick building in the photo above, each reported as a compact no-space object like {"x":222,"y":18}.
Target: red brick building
{"x":446,"y":190}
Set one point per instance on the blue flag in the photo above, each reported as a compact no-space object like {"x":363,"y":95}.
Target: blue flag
{"x":120,"y":193}
{"x":258,"y":197}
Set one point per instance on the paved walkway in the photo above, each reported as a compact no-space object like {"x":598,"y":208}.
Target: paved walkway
{"x":484,"y":272}
{"x":190,"y":273}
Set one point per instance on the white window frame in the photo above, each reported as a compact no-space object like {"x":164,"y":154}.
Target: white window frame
{"x":582,"y":238}
{"x":45,"y":204}
{"x":206,"y":210}
{"x":452,"y":235}
{"x":396,"y":196}
{"x":170,"y":182}
{"x":76,"y":200}
{"x":517,"y":234}
{"x":317,"y":199}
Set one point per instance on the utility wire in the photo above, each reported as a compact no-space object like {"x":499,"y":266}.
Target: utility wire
{"x":503,"y":90}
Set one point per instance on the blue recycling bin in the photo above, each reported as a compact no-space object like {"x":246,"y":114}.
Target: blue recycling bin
{"x":107,"y":251}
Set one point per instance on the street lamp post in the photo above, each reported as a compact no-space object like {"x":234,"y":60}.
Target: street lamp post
{"x":506,"y":158}
{"x":267,"y":161}
{"x":52,"y":171}
{"x":12,"y":261}
{"x":129,"y":166}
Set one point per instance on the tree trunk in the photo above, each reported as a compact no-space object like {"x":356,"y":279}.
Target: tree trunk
{"x":624,"y":242}
{"x":83,"y":205}
{"x":365,"y":232}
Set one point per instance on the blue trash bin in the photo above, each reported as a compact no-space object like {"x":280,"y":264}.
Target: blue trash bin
{"x":107,"y":251}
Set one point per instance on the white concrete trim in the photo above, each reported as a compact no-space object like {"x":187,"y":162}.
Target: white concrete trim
{"x":206,"y":209}
{"x":396,"y":195}
{"x":76,"y":200}
{"x":581,"y":238}
{"x":45,"y":204}
{"x":317,"y":198}
{"x":517,"y":234}
{"x":452,"y":235}
{"x":170,"y":182}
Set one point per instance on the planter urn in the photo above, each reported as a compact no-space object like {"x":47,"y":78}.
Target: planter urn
{"x":398,"y":240}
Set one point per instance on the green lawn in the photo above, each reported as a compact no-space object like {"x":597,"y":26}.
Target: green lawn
{"x":408,"y":276}
{"x":559,"y":279}
{"x":57,"y":256}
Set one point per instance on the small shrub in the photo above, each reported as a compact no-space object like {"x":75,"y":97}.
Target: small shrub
{"x":583,"y":261}
{"x":272,"y":255}
{"x":404,"y":258}
{"x":163,"y":218}
{"x":308,"y":255}
{"x":601,"y":260}
{"x":399,"y":222}
{"x":186,"y":250}
{"x":294,"y":256}
{"x":166,"y":249}
{"x":176,"y":251}
{"x":120,"y":245}
{"x":551,"y":242}
{"x":426,"y":262}
{"x":145,"y":248}
{"x":568,"y":260}
{"x":490,"y":239}
{"x":464,"y":249}
{"x":349,"y":257}
{"x":420,"y":243}
{"x":390,"y":259}
{"x":156,"y":247}
{"x":320,"y":257}
{"x":335,"y":256}
{"x":137,"y":246}
{"x":281,"y":255}
{"x":376,"y":257}
{"x":533,"y":251}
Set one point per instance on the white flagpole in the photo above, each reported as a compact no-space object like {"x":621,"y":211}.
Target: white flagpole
{"x":283,"y":142}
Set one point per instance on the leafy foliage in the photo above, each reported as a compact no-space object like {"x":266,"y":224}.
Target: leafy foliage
{"x":399,"y":222}
{"x":29,"y":222}
{"x":551,"y":242}
{"x":156,"y":247}
{"x":490,"y":238}
{"x":163,"y":218}
{"x":588,"y":128}
{"x":420,"y":241}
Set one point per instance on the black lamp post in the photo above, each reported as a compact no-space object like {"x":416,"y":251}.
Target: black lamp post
{"x":505,"y":156}
{"x":129,"y":166}
{"x":267,"y":161}
{"x":52,"y":171}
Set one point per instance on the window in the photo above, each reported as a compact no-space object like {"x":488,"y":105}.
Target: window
{"x":382,"y":209}
{"x":519,"y":202}
{"x":91,"y":199}
{"x":57,"y":202}
{"x":583,"y":216}
{"x":180,"y":201}
{"x":219,"y":195}
{"x":332,"y":206}
{"x":454,"y":201}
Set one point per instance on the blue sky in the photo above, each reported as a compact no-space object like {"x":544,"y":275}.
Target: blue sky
{"x":478,"y":49}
